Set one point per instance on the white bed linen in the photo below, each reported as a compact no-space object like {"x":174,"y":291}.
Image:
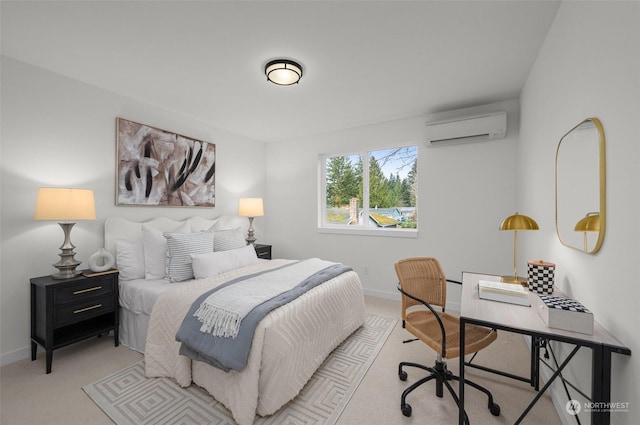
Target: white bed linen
{"x":290,"y":343}
{"x":137,"y":298}
{"x":139,"y":295}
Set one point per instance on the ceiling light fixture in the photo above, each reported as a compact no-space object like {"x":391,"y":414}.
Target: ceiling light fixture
{"x":283,"y":72}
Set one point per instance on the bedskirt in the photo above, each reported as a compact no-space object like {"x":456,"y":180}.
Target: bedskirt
{"x":133,"y":329}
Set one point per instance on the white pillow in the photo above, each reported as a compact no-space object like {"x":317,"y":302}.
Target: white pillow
{"x":228,"y":222}
{"x":228,"y":239}
{"x":214,"y":263}
{"x":130,"y":259}
{"x":179,"y":248}
{"x":155,"y":250}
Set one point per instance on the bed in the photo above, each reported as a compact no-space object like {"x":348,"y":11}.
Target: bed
{"x":289,"y":343}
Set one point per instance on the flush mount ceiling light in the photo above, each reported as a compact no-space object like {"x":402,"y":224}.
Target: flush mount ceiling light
{"x":283,"y":72}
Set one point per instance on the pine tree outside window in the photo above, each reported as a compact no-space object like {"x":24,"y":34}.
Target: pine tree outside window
{"x":372,"y":192}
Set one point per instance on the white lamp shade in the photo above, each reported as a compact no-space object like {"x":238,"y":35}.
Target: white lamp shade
{"x":250,"y":207}
{"x":56,"y":203}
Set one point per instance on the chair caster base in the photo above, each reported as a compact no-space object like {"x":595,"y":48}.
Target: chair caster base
{"x":406,"y":410}
{"x":494,"y":409}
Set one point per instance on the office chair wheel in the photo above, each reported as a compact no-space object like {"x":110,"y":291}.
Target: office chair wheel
{"x":403,"y":377}
{"x":494,"y":409}
{"x":406,"y":410}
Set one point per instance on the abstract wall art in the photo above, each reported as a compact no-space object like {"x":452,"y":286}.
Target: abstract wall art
{"x":159,"y":168}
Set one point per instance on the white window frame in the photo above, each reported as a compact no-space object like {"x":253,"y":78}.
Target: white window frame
{"x":355,"y":229}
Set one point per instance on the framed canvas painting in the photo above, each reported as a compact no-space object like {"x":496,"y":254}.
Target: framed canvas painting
{"x":160,"y":168}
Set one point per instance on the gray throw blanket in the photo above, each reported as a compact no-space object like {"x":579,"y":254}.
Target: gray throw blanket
{"x":232,"y":353}
{"x":222,"y":312}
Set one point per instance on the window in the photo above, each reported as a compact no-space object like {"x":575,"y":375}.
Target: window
{"x":370,"y":192}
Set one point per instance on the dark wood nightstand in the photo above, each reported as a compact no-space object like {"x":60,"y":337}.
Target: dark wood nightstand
{"x":65,"y":311}
{"x":263,"y":251}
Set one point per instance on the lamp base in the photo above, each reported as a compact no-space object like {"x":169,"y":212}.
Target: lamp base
{"x":67,"y":264}
{"x":515,"y":280}
{"x":66,"y":274}
{"x":251,"y":239}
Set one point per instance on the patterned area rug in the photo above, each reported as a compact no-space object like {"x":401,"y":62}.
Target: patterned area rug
{"x":129,"y":398}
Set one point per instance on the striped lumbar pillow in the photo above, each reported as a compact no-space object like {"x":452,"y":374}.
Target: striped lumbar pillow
{"x":180,"y":246}
{"x":228,"y":239}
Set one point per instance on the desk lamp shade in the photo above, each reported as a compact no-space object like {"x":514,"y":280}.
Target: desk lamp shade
{"x":250,"y":207}
{"x":590,"y":223}
{"x":516,"y":223}
{"x":65,"y":206}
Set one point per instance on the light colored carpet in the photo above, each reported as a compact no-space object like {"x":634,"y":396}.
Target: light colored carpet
{"x":129,"y":398}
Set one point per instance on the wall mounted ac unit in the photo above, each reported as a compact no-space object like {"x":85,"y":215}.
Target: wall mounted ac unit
{"x":475,"y":128}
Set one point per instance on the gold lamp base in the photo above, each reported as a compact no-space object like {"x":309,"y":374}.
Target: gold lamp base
{"x":515,"y":280}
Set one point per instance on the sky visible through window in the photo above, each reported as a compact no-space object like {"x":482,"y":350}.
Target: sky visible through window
{"x":400,"y":163}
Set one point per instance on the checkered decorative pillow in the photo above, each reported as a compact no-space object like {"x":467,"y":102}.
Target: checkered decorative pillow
{"x":562,"y":303}
{"x":540,"y":278}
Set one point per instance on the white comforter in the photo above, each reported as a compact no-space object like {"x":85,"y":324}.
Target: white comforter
{"x":290,"y":343}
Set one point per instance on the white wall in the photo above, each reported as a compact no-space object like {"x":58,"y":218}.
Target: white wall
{"x":589,"y":66}
{"x":59,"y":132}
{"x":464,"y":193}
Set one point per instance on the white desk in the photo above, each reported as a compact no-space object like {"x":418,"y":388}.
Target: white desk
{"x":525,"y":320}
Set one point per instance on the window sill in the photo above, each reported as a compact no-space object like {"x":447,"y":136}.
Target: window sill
{"x":362,"y":231}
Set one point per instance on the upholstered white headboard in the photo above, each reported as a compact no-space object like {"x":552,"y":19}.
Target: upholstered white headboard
{"x":117,"y":227}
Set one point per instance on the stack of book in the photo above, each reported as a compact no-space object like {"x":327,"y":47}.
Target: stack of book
{"x":565,"y":313}
{"x":504,"y":292}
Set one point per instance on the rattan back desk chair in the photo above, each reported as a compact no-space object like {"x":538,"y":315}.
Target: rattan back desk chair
{"x":423,"y":285}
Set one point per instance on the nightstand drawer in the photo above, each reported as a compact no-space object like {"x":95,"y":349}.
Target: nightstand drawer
{"x":83,"y":290}
{"x":263,"y":251}
{"x":72,"y":313}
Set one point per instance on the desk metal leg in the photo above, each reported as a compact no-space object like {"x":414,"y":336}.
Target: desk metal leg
{"x":461,"y":382}
{"x":565,"y":383}
{"x":600,"y":384}
{"x":548,"y":384}
{"x":535,"y":362}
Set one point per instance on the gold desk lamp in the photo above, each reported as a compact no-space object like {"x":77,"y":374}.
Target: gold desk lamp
{"x":517,"y":222}
{"x":590,"y":223}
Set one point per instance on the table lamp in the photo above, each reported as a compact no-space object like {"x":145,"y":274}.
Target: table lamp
{"x":65,"y":205}
{"x":590,"y":223}
{"x":251,"y":208}
{"x":517,"y":222}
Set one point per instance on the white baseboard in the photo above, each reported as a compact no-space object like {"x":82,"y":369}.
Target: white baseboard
{"x":16,"y":355}
{"x":395,"y":296}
